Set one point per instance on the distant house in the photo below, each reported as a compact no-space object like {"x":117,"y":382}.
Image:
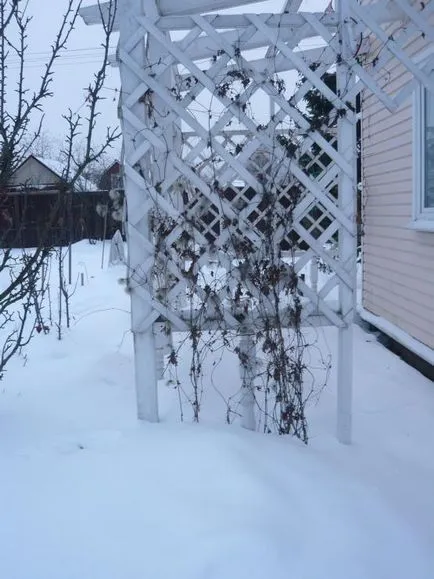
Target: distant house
{"x":37,"y":208}
{"x":398,"y":218}
{"x":112,"y":181}
{"x":112,"y":178}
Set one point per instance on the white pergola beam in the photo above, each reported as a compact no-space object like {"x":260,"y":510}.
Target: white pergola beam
{"x":180,"y":16}
{"x":237,"y":21}
{"x":180,"y":21}
{"x":92,"y":14}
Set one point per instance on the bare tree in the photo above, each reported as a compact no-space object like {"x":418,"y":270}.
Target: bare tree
{"x":46,"y":146}
{"x":22,"y":281}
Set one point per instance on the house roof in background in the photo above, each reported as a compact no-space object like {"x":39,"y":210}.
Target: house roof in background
{"x":115,"y":162}
{"x":58,"y":168}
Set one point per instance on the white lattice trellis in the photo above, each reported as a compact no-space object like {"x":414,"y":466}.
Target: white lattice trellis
{"x":186,"y":170}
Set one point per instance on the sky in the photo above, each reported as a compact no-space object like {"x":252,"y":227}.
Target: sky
{"x":75,"y":68}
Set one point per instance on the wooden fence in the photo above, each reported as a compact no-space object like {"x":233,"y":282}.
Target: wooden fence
{"x":32,"y":218}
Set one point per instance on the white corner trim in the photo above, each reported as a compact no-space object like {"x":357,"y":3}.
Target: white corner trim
{"x":400,"y":336}
{"x":424,"y":225}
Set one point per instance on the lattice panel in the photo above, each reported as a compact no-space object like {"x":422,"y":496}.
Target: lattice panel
{"x":230,"y":191}
{"x":218,"y":180}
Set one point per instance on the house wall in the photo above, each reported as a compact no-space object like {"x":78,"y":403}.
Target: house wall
{"x":398,"y":262}
{"x":105,"y":182}
{"x":33,"y":174}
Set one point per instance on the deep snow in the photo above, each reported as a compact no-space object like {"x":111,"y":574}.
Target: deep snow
{"x":87,"y":492}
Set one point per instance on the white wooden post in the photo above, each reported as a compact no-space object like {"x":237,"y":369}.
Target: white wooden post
{"x":140,"y":251}
{"x":163,"y":345}
{"x":347,"y":239}
{"x":314,"y":274}
{"x":247,"y":370}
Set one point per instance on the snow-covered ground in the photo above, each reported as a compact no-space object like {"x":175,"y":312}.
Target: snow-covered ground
{"x":87,"y":492}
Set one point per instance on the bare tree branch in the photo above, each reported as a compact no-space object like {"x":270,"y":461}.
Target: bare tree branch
{"x":20,"y":110}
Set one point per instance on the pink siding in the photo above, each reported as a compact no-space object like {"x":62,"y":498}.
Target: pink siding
{"x":398,"y":267}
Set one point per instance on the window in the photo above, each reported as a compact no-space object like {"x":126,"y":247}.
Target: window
{"x":423,"y":214}
{"x":428,"y":201}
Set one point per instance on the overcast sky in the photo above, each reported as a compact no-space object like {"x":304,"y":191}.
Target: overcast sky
{"x":74,"y":70}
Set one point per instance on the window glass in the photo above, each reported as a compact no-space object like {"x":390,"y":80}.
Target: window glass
{"x":428,"y":201}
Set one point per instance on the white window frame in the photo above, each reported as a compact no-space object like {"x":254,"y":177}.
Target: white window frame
{"x":423,"y":217}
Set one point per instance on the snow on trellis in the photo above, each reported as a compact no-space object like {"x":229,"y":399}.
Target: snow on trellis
{"x":208,"y":180}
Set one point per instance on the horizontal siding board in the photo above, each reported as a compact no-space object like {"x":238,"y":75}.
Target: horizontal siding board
{"x":375,"y":107}
{"x":391,"y":131}
{"x":384,"y":177}
{"x":377,"y":120}
{"x":379,"y":211}
{"x":388,"y":248}
{"x":401,"y":308}
{"x":388,"y":221}
{"x":387,"y":137}
{"x":375,"y":213}
{"x":389,"y":177}
{"x":403,"y":162}
{"x":401,"y":295}
{"x":380,"y":197}
{"x":417,"y":242}
{"x":402,"y":189}
{"x":411,"y":276}
{"x":390,"y":143}
{"x":405,"y":321}
{"x":389,"y":242}
{"x":398,"y":313}
{"x":380,"y":129}
{"x":384,"y":200}
{"x":388,"y":159}
{"x":371,"y":104}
